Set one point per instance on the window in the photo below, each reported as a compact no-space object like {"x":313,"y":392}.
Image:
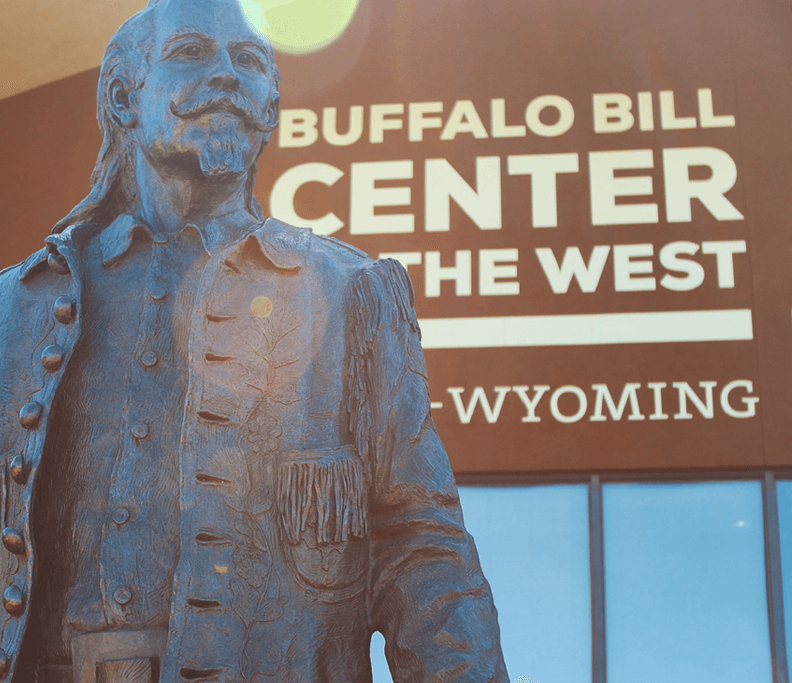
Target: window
{"x":685,"y":596}
{"x":685,"y":590}
{"x":534,"y":550}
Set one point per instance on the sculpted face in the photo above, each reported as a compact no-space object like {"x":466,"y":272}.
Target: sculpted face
{"x":207,"y":99}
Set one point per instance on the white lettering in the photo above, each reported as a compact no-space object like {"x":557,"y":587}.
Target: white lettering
{"x":645,"y":111}
{"x":657,"y":389}
{"x":285,"y":188}
{"x":330,"y":126}
{"x":499,"y":127}
{"x":724,"y":252}
{"x":419,"y":122}
{"x":706,"y":407}
{"x":604,"y":396}
{"x":463,"y":119}
{"x":460,"y":273}
{"x":612,"y":113}
{"x":490,"y":272}
{"x":707,"y":114}
{"x":749,"y":401}
{"x":297,"y":128}
{"x":543,"y":169}
{"x":669,"y":258}
{"x":491,"y":413}
{"x":680,"y":190}
{"x":365,"y":197}
{"x":443,"y":183}
{"x":605,"y":187}
{"x":573,"y":266}
{"x":626,"y":265}
{"x":530,"y":404}
{"x":378,"y":123}
{"x":668,"y":117}
{"x":566,"y":116}
{"x":582,"y":404}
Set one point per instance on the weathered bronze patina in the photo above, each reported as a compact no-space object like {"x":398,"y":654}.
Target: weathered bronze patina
{"x":219,"y":460}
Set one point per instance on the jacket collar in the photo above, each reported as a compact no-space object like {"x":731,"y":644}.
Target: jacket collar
{"x":58,"y":248}
{"x":284,"y":245}
{"x":117,"y":237}
{"x":217,"y":233}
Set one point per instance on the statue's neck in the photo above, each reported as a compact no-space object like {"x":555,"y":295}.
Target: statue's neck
{"x":167,"y":202}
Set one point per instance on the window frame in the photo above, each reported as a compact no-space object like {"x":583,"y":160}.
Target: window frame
{"x":595,"y":481}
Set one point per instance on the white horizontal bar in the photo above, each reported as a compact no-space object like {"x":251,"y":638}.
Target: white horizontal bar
{"x":598,"y":328}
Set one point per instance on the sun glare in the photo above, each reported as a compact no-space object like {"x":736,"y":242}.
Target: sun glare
{"x":301,"y":26}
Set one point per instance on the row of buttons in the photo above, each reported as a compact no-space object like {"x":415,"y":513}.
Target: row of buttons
{"x":64,"y":311}
{"x":52,"y":357}
{"x":140,"y":431}
{"x":121,"y":514}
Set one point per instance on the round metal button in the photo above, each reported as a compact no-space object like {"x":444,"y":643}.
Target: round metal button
{"x":52,"y":358}
{"x":122,"y":595}
{"x":140,"y":430}
{"x":13,"y":601}
{"x":157,"y":293}
{"x":18,"y":469}
{"x":13,"y":541}
{"x":121,"y":515}
{"x":58,"y":264}
{"x":149,"y":359}
{"x":30,"y":415}
{"x":64,"y":310}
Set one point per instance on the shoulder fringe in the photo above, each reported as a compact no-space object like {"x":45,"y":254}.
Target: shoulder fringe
{"x":382,"y":297}
{"x":333,"y":488}
{"x":382,"y":290}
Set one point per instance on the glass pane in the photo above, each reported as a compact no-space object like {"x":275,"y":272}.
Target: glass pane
{"x":685,"y":591}
{"x":534,"y":550}
{"x":785,"y":528}
{"x":379,"y":666}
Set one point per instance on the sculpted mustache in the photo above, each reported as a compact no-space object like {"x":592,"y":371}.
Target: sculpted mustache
{"x":233,"y":103}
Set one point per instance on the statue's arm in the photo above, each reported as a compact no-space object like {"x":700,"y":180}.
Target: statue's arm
{"x":429,"y":597}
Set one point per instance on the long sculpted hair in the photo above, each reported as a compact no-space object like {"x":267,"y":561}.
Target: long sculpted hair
{"x":113,"y":188}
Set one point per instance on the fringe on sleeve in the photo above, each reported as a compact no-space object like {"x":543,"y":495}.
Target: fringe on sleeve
{"x":382,"y":298}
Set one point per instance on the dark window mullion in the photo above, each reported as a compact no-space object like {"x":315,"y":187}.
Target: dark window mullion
{"x":775,"y":596}
{"x":597,"y":554}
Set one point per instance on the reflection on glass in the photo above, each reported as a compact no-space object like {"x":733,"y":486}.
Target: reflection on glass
{"x":534,"y":550}
{"x":379,"y":667}
{"x":785,"y":528}
{"x":685,"y":591}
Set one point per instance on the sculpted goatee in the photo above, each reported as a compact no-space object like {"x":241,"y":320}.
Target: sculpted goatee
{"x":222,"y":152}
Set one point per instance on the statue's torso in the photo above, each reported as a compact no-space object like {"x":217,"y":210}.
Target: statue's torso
{"x":107,"y":499}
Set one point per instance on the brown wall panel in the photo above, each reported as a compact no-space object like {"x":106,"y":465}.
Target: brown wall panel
{"x":49,"y":145}
{"x":448,"y":52}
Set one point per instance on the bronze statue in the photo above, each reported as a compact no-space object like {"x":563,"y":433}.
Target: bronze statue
{"x":219,"y":460}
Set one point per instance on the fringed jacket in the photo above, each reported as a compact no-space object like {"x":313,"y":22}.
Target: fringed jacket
{"x":311,"y":454}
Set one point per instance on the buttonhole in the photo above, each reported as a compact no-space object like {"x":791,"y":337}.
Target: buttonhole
{"x":214,"y":358}
{"x":209,"y":480}
{"x":203,"y":604}
{"x":219,"y":318}
{"x":212,"y":417}
{"x":205,"y":538}
{"x":196,"y":674}
{"x":228,"y":263}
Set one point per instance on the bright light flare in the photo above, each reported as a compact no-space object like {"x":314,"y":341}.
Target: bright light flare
{"x":300,"y":26}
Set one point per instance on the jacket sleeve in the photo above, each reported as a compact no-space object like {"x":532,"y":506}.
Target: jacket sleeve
{"x":428,"y":595}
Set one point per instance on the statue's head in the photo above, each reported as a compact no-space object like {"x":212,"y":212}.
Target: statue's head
{"x":188,"y":86}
